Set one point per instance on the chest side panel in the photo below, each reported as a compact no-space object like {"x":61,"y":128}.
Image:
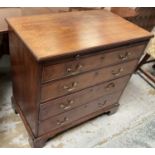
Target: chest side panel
{"x":25,"y":76}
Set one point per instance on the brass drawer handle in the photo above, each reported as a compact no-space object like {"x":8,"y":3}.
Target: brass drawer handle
{"x":101,"y":104}
{"x":77,"y":57}
{"x":125,"y":56}
{"x":77,"y":69}
{"x":67,"y":106}
{"x":71,"y":88}
{"x":63,"y":121}
{"x":110,"y":86}
{"x":69,"y":70}
{"x":118,"y":72}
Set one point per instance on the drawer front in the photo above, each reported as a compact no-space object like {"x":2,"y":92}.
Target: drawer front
{"x":76,"y":83}
{"x":71,"y":101}
{"x":68,"y":117}
{"x":51,"y":72}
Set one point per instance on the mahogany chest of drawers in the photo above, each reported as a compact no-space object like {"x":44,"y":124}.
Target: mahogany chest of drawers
{"x":68,"y":68}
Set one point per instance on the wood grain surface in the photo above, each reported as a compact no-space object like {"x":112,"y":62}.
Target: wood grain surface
{"x":49,"y":78}
{"x":54,"y":35}
{"x":79,"y":82}
{"x":66,"y":103}
{"x":81,"y":64}
{"x":71,"y":116}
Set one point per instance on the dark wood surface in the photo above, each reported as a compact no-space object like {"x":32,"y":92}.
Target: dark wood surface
{"x":41,"y":140}
{"x":124,"y":12}
{"x":142,"y":16}
{"x":43,"y":90}
{"x":4,"y":42}
{"x":25,"y":77}
{"x":54,"y":35}
{"x":76,"y":83}
{"x":66,"y":103}
{"x":81,"y":64}
{"x":145,"y":18}
{"x":75,"y":114}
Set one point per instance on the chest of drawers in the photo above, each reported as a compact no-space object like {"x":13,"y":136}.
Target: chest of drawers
{"x":71,"y":67}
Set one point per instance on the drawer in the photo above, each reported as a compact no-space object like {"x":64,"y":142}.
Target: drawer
{"x":77,"y":113}
{"x":71,"y":101}
{"x":83,"y":64}
{"x":72,"y":84}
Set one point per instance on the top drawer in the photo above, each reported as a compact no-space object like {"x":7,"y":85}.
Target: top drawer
{"x":86,"y":63}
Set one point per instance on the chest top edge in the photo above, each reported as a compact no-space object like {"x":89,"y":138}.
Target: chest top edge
{"x":52,"y":36}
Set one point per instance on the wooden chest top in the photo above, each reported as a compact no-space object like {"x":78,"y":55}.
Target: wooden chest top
{"x":54,"y":35}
